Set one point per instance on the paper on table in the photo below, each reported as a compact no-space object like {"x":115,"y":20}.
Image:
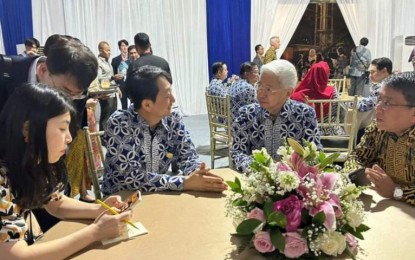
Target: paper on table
{"x":131,"y":233}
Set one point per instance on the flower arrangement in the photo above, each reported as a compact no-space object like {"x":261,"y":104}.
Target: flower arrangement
{"x":299,"y":206}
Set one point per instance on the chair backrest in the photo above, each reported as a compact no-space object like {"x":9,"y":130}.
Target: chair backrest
{"x":219,"y":114}
{"x":95,"y":158}
{"x":338,"y":127}
{"x":340,"y":85}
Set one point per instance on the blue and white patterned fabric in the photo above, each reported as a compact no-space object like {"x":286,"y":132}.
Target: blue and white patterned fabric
{"x":139,"y":159}
{"x":254,"y":129}
{"x":217,"y":88}
{"x":242,"y":93}
{"x":369,"y":103}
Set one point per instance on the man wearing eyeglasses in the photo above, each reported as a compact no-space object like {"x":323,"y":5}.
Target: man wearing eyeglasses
{"x":387,"y":149}
{"x":268,"y":123}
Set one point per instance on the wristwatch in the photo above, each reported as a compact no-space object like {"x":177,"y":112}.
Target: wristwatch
{"x":398,"y":193}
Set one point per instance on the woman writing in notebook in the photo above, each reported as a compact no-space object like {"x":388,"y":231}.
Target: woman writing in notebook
{"x":34,"y":136}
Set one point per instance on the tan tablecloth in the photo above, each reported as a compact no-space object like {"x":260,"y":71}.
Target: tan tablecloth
{"x":193,"y":226}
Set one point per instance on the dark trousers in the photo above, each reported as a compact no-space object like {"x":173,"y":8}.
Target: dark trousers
{"x":108,"y":107}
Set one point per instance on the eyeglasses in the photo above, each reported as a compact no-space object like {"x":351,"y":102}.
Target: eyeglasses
{"x":385,"y":105}
{"x":266,"y":90}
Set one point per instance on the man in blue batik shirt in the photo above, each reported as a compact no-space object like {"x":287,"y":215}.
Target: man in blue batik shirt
{"x":144,"y":140}
{"x":275,"y":118}
{"x":216,"y":86}
{"x":242,"y":92}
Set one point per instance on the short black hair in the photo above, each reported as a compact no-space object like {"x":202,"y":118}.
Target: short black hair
{"x":121,"y":42}
{"x":403,"y":82}
{"x":32,"y":41}
{"x":257,"y":47}
{"x":74,"y":59}
{"x":246,"y":67}
{"x":57,"y":39}
{"x":142,"y":40}
{"x":364,"y":41}
{"x":382,"y":63}
{"x":131,"y":47}
{"x":142,"y":84}
{"x":217,"y":67}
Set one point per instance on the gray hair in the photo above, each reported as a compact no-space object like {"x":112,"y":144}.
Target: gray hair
{"x":284,"y":70}
{"x":273,"y":38}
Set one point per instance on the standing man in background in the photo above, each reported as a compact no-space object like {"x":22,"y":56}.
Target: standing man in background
{"x":143,"y":46}
{"x":108,"y":103}
{"x":360,"y":58}
{"x":271,"y":53}
{"x":115,"y":63}
{"x":259,"y":57}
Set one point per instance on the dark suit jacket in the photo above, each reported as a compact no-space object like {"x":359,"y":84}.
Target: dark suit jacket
{"x":116,"y":61}
{"x":14,"y":70}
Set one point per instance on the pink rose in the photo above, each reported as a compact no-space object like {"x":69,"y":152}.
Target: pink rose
{"x":295,"y":245}
{"x":352,"y":242}
{"x":256,"y":213}
{"x":262,"y":242}
{"x":291,"y":208}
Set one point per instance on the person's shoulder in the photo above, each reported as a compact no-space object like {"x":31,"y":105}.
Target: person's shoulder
{"x":298,"y":107}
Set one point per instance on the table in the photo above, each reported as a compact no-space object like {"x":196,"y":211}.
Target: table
{"x":181,"y":225}
{"x":193,"y":225}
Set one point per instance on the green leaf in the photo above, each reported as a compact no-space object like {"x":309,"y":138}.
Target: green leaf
{"x":329,"y":160}
{"x":296,"y":146}
{"x":362,"y":228}
{"x":319,"y":218}
{"x":268,"y":207}
{"x":248,"y":226}
{"x":277,"y":219}
{"x":321,"y":156}
{"x":277,"y":239}
{"x":353,"y":232}
{"x":239,"y":203}
{"x":235,"y":186}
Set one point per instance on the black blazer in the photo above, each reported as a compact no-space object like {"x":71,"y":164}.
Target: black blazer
{"x":116,"y":61}
{"x":14,"y":70}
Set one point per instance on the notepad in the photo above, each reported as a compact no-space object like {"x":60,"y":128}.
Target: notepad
{"x":131,"y":233}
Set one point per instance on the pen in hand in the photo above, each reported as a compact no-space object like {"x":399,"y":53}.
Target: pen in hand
{"x":112,"y":211}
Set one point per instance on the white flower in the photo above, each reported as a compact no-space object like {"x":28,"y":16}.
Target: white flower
{"x":313,"y":147}
{"x":354,"y":217}
{"x":283,"y":151}
{"x":306,"y":152}
{"x":331,"y":243}
{"x":288,"y":180}
{"x":350,"y":192}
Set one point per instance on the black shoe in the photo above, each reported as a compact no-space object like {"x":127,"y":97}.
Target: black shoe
{"x":87,"y":201}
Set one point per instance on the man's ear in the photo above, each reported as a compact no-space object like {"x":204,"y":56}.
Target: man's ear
{"x":25,"y":131}
{"x":42,"y":71}
{"x":147,"y":105}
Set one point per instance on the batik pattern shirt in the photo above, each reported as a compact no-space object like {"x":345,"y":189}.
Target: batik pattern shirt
{"x":394,"y":154}
{"x":242,"y":93}
{"x":139,"y":158}
{"x":254,"y":129}
{"x":217,"y":88}
{"x":12,"y":223}
{"x":369,"y":103}
{"x":270,"y":55}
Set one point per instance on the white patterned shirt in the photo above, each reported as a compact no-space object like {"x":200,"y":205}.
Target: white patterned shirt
{"x":139,"y":159}
{"x":254,"y":129}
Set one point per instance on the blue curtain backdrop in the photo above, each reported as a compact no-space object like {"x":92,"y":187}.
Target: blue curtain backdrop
{"x":228,"y":25}
{"x":16,"y":23}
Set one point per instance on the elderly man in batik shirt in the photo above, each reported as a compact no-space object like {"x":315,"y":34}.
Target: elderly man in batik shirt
{"x":243,"y":92}
{"x":143,"y":141}
{"x":387,"y":150}
{"x":274,"y":119}
{"x":216,"y":86}
{"x":271,"y":53}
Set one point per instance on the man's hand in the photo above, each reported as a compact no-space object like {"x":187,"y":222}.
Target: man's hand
{"x":118,"y":77}
{"x":383,"y":183}
{"x":204,"y":180}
